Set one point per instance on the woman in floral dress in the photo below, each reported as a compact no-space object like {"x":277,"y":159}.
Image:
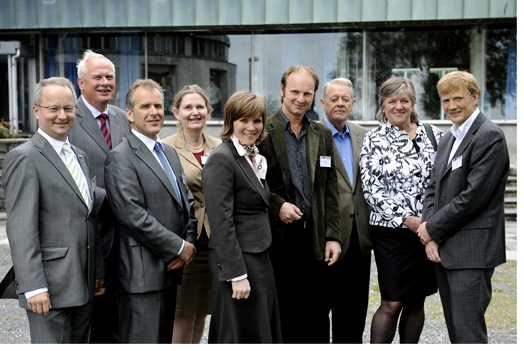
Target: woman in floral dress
{"x":395,"y":164}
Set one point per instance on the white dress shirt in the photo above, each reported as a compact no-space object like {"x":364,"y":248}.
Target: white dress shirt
{"x":460,"y":132}
{"x":97,"y":113}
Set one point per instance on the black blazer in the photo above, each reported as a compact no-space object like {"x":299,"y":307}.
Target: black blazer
{"x":237,"y":206}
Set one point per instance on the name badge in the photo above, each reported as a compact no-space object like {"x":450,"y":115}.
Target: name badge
{"x":325,"y":161}
{"x":456,"y":163}
{"x":203,"y":159}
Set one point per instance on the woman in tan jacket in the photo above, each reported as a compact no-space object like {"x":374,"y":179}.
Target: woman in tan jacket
{"x":194,"y":296}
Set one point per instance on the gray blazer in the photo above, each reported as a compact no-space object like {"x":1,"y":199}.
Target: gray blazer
{"x":152,"y":223}
{"x":86,"y":135}
{"x":237,"y":206}
{"x":53,"y":235}
{"x":464,"y":208}
{"x":353,"y":206}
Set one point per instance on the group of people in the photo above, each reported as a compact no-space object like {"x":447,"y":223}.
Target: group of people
{"x":118,"y":236}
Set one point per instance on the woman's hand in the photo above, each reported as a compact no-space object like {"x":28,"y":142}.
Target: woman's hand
{"x":412,"y":223}
{"x":241,"y":289}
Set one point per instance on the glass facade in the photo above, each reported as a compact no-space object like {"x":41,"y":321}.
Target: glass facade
{"x":229,"y":62}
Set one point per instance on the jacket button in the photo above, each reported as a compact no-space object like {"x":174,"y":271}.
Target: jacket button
{"x":202,"y":205}
{"x":88,"y":247}
{"x":351,"y":215}
{"x":266,"y":209}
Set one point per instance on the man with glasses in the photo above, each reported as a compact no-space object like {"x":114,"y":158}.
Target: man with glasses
{"x":51,"y":226}
{"x":100,"y":127}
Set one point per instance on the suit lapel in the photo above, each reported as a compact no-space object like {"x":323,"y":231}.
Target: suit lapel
{"x":116,"y":128}
{"x":313,"y":139}
{"x":249,"y":173}
{"x":171,"y":157}
{"x":146,"y":156}
{"x":85,"y":119}
{"x":183,"y":150}
{"x":277,"y":137}
{"x":50,"y":154}
{"x":445,"y":146}
{"x":338,"y":160}
{"x":85,"y":169}
{"x":357,"y":138}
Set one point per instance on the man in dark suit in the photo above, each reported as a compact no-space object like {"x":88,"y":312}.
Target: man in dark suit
{"x":348,"y":306}
{"x":304,"y":209}
{"x":463,"y":218}
{"x":98,"y":128}
{"x":51,"y":223}
{"x":148,"y":193}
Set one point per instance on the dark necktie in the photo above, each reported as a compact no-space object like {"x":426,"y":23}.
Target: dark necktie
{"x":105,"y":130}
{"x":167,"y":169}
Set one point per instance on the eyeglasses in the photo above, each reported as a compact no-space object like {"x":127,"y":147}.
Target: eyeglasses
{"x":56,"y":109}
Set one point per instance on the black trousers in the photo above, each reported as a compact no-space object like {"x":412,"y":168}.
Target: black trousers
{"x":465,"y":296}
{"x":348,"y":281}
{"x":301,"y":289}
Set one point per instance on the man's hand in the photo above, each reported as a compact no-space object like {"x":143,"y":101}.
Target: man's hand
{"x":289,"y":213}
{"x":432,"y":252}
{"x":175,"y":264}
{"x":332,"y":253}
{"x":241,"y":289}
{"x":412,"y":223}
{"x":423,"y":234}
{"x":188,"y":252}
{"x":99,"y":287}
{"x":40,"y":303}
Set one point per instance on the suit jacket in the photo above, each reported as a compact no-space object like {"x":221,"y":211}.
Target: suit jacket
{"x":152,"y":223}
{"x":86,"y":135}
{"x":324,"y":192}
{"x":237,"y":209}
{"x":464,"y":207}
{"x":53,"y":235}
{"x":352,"y":202}
{"x":193,"y":170}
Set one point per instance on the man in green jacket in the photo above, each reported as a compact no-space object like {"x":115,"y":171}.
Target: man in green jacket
{"x":304,"y":209}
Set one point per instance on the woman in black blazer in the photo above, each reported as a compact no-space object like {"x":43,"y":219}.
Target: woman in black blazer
{"x":245,"y":306}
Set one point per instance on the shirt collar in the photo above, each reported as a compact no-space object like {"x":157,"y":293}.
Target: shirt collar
{"x":93,"y":110}
{"x":460,"y":132}
{"x":287,"y":123}
{"x":150,"y":143}
{"x":334,"y":130}
{"x":56,"y":144}
{"x":240,"y":149}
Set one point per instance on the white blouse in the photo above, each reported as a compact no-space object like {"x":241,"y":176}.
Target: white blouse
{"x":394,"y":174}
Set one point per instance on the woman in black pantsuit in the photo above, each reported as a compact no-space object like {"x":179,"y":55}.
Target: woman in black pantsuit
{"x":245,"y":306}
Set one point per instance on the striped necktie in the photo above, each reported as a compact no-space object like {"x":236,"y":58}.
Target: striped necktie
{"x":75,"y":172}
{"x":105,"y":130}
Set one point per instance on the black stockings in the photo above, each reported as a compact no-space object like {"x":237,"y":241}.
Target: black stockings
{"x":385,"y":320}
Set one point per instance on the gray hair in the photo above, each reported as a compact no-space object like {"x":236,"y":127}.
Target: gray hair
{"x":37,"y":93}
{"x":147,"y":84}
{"x":339,"y":81}
{"x":392,"y":87}
{"x":88,"y":55}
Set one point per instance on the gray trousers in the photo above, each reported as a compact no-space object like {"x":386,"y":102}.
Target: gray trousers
{"x":465,"y":296}
{"x":62,"y":325}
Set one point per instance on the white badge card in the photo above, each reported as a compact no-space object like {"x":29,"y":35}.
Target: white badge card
{"x":203,"y":159}
{"x":456,"y":163}
{"x":325,"y":161}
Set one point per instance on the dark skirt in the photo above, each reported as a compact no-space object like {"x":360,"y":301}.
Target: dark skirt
{"x":252,"y":320}
{"x":404,"y":271}
{"x":195,"y":295}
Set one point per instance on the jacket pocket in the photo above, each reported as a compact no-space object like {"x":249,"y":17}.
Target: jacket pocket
{"x":52,"y":253}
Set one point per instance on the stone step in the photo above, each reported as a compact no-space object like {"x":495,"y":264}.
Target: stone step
{"x":511,"y":191}
{"x":512,"y":180}
{"x":510,"y":202}
{"x":511,"y":214}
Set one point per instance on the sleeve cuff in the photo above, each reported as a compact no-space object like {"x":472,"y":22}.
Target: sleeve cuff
{"x":30,"y":294}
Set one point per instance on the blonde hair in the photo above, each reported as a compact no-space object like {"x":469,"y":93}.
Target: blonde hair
{"x":453,"y":81}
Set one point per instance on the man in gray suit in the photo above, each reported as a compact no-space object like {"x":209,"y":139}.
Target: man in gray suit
{"x":99,"y":127}
{"x":348,"y":306}
{"x":51,"y":224}
{"x":148,"y":193}
{"x":463,"y":218}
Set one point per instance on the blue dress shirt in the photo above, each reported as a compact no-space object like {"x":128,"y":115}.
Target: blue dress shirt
{"x":343,"y":143}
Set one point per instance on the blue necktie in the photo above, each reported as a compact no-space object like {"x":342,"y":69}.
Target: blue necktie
{"x":168,"y":170}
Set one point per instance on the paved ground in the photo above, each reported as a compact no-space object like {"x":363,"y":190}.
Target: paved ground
{"x":501,"y":316}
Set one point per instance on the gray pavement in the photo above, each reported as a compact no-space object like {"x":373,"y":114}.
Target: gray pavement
{"x":14,"y":327}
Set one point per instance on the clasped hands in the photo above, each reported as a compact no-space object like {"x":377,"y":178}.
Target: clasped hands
{"x":415,"y":225}
{"x":185,"y":257}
